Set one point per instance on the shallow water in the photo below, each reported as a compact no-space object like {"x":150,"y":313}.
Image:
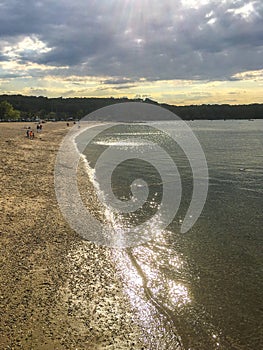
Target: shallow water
{"x":201,"y":289}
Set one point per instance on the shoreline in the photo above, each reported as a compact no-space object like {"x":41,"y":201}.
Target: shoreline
{"x":57,"y":291}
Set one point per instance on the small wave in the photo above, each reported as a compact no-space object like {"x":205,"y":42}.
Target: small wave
{"x":117,"y":143}
{"x":137,"y":133}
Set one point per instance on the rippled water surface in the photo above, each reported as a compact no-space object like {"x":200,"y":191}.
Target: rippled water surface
{"x":201,"y":289}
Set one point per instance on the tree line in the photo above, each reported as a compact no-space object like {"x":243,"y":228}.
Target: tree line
{"x":19,"y":107}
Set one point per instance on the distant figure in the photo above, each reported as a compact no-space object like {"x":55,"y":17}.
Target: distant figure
{"x":27,"y":132}
{"x":67,"y":124}
{"x":31,"y":135}
{"x":39,"y":128}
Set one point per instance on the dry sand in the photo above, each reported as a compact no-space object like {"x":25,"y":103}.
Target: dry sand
{"x":56,"y":290}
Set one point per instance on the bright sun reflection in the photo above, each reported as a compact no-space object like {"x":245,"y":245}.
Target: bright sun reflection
{"x":153,"y":296}
{"x":178,"y":293}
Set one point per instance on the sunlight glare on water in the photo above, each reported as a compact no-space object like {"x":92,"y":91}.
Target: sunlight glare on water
{"x":200,"y":290}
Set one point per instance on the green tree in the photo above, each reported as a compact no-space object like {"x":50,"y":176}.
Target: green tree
{"x":7,"y":112}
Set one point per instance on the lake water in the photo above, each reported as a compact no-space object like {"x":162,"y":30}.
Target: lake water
{"x":201,"y":289}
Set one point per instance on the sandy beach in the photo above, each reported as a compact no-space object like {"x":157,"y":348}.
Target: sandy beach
{"x":56,"y":290}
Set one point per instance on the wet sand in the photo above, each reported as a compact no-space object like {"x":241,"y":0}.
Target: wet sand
{"x":56,"y":290}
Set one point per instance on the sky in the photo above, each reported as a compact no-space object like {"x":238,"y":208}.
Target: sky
{"x":174,"y":51}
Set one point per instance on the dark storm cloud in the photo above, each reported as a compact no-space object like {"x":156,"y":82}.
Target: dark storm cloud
{"x":3,"y":58}
{"x":118,"y":81}
{"x":135,"y":39}
{"x":21,"y":17}
{"x":124,"y":87}
{"x":11,"y":75}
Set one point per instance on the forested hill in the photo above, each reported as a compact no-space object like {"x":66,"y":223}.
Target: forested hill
{"x":65,"y":108}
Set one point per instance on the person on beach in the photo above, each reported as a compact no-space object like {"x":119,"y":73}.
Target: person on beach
{"x":31,"y":135}
{"x":27,"y":132}
{"x":38,"y":128}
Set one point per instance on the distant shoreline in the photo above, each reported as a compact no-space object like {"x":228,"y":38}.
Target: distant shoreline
{"x":32,"y":107}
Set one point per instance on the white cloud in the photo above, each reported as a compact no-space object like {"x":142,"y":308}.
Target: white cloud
{"x":247,"y":11}
{"x":194,"y":3}
{"x":28,"y":45}
{"x":256,"y":75}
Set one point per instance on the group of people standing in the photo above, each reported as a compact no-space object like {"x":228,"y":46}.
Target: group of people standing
{"x":39,"y":127}
{"x":30,"y":133}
